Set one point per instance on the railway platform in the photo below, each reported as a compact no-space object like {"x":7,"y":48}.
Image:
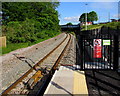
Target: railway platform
{"x":67,"y":81}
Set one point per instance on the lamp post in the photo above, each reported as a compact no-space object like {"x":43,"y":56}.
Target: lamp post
{"x":86,"y":16}
{"x":99,"y":20}
{"x":108,"y":16}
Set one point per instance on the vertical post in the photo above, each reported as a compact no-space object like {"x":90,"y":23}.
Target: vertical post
{"x":81,"y":51}
{"x":86,"y":16}
{"x":99,"y":20}
{"x":116,"y":51}
{"x":109,"y":17}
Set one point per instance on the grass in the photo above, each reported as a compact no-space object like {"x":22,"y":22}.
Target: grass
{"x":90,"y":27}
{"x":112,"y":25}
{"x":13,"y":46}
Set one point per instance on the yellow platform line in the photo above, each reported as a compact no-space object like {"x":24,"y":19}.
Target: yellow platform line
{"x":80,"y":86}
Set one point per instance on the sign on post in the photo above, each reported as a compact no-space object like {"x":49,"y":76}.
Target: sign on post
{"x":97,"y":49}
{"x":106,"y":42}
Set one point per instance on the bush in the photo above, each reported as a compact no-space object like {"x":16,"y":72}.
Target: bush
{"x":43,"y":34}
{"x":39,"y":35}
{"x":4,"y":30}
{"x":26,"y":31}
{"x":33,"y":39}
{"x":18,"y":32}
{"x":17,"y":39}
{"x":49,"y":33}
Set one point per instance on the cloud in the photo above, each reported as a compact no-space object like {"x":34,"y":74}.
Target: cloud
{"x":116,"y":16}
{"x":72,"y":19}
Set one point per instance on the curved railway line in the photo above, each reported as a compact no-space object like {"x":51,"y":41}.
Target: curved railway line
{"x":34,"y":80}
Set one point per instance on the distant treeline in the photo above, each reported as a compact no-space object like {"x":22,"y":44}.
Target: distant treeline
{"x":29,"y":21}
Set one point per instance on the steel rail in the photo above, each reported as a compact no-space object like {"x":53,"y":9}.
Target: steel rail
{"x":56,"y":63}
{"x":5,"y":92}
{"x":62,"y":54}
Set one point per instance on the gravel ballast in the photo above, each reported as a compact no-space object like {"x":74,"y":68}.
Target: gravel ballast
{"x":69,"y":57}
{"x":14,"y":65}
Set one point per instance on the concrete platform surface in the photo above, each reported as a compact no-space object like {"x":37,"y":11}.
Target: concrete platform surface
{"x":66,"y":80}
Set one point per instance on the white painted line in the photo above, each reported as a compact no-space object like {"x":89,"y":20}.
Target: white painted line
{"x":51,"y":82}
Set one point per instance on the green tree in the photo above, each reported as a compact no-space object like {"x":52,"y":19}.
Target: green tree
{"x":82,"y":17}
{"x":29,"y":20}
{"x":69,"y":23}
{"x":92,"y":16}
{"x":44,"y":12}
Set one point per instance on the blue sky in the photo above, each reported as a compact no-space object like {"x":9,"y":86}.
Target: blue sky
{"x":71,"y":11}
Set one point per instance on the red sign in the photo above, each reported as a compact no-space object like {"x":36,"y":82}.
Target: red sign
{"x":97,"y":49}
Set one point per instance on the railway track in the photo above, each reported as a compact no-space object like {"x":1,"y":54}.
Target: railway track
{"x":33,"y":81}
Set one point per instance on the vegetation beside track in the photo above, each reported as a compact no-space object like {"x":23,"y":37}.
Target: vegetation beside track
{"x":90,"y":27}
{"x":112,"y":25}
{"x":25,"y":24}
{"x":14,"y":46}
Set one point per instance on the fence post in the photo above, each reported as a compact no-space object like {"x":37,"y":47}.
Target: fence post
{"x":3,"y":41}
{"x":81,"y":50}
{"x":116,"y":51}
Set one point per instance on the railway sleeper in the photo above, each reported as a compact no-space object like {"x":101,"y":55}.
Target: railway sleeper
{"x":34,"y":79}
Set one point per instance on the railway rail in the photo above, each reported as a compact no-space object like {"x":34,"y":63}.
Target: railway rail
{"x":35,"y":78}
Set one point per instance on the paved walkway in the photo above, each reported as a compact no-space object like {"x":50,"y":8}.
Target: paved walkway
{"x":67,"y":81}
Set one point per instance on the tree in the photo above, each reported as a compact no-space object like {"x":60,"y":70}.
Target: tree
{"x":82,"y":17}
{"x":92,"y":16}
{"x":30,"y":20}
{"x":43,"y":12}
{"x":69,"y":23}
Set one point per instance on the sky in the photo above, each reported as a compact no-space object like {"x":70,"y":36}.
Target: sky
{"x":71,"y":11}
